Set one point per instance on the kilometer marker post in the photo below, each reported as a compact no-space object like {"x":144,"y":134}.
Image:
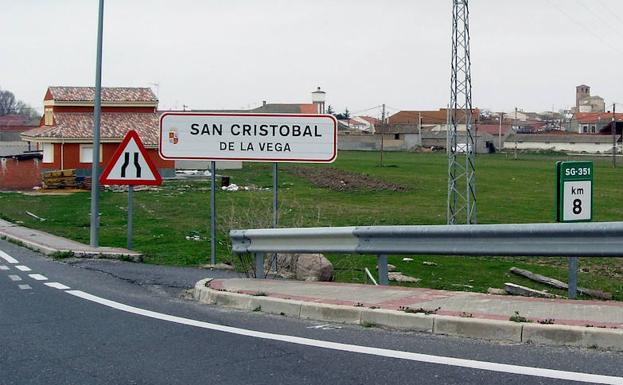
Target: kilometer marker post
{"x":574,"y":201}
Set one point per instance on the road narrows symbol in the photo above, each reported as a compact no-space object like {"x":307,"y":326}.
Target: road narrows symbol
{"x":137,"y":165}
{"x":126,"y":163}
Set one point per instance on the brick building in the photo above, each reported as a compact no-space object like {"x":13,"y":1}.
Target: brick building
{"x":65,"y":134}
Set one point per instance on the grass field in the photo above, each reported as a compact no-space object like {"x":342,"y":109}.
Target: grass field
{"x":509,"y":191}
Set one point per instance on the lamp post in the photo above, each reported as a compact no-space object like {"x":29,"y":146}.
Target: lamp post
{"x":96,"y":130}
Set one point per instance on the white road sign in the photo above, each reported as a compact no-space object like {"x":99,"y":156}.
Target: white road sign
{"x":130,"y":164}
{"x":577,"y":200}
{"x":249,"y":137}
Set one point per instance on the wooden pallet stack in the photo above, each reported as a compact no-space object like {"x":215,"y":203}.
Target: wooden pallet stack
{"x":63,"y":179}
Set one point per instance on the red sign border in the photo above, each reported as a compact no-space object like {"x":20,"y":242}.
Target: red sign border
{"x":120,"y":149}
{"x":278,"y":160}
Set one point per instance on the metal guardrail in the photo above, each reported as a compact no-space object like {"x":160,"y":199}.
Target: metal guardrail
{"x":596,"y":239}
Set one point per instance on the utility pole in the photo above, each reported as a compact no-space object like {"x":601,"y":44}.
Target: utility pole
{"x":501,"y":116}
{"x":461,"y":207}
{"x":94,"y":230}
{"x":614,"y":136}
{"x":382,"y":134}
{"x":419,"y":127}
{"x":516,"y":131}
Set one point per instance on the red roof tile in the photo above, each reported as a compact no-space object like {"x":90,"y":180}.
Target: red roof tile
{"x":109,"y":94}
{"x":592,"y":117}
{"x":493,"y":129}
{"x":308,"y":109}
{"x":371,"y":120}
{"x":114,"y":126}
{"x":14,"y":120}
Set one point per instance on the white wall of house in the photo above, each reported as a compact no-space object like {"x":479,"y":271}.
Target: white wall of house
{"x":412,"y":141}
{"x":593,"y":148}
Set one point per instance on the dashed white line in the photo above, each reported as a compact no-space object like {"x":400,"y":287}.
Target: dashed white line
{"x":22,"y":268}
{"x":418,"y":357}
{"x":4,"y":267}
{"x":38,"y":277}
{"x":56,"y":285}
{"x":24,"y":287}
{"x":15,"y":277}
{"x":7,"y":257}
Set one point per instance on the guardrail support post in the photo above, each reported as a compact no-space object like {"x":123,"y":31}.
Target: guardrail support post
{"x":381,"y":261}
{"x":259,"y":265}
{"x":573,"y":277}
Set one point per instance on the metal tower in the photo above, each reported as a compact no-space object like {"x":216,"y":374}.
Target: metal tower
{"x":461,"y":148}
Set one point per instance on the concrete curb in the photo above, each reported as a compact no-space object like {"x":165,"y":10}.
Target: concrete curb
{"x":103,"y":252}
{"x":557,"y":335}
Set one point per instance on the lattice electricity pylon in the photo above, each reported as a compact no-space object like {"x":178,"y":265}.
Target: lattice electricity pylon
{"x":461,"y":172}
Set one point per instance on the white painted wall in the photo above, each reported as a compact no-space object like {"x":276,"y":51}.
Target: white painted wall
{"x":568,"y":147}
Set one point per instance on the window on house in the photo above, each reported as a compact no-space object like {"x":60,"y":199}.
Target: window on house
{"x":86,"y":153}
{"x":48,"y":117}
{"x":584,"y":129}
{"x":48,"y":152}
{"x":397,"y":136}
{"x":593,"y":129}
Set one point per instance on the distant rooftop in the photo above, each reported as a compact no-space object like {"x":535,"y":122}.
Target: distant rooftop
{"x":109,"y":94}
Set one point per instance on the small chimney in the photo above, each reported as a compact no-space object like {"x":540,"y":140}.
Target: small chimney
{"x":263,"y":103}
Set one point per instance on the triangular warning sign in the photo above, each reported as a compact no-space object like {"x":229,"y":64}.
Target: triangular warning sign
{"x":130,"y":165}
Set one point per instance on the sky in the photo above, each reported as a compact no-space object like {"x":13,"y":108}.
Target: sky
{"x":217,"y":54}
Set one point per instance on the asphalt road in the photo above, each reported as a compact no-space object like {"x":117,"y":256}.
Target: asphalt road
{"x":53,"y":335}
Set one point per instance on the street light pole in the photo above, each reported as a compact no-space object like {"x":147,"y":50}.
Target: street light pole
{"x":501,"y":116}
{"x":96,"y":130}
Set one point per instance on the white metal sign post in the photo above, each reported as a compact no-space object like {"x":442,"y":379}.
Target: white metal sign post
{"x":296,"y":138}
{"x":574,"y":201}
{"x":130,"y":165}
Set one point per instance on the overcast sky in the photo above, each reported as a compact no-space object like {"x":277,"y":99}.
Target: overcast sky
{"x":215,"y":54}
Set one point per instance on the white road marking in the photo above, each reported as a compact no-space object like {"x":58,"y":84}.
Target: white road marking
{"x":56,"y":285}
{"x":38,"y":277}
{"x":22,"y":268}
{"x":25,"y":287}
{"x":7,"y":257}
{"x":4,"y":267}
{"x":15,"y":278}
{"x":419,"y":357}
{"x":324,"y":327}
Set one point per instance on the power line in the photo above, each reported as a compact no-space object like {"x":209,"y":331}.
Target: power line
{"x":584,"y":26}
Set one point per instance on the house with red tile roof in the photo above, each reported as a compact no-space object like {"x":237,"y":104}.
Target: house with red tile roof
{"x":594,"y":122}
{"x":65,"y":134}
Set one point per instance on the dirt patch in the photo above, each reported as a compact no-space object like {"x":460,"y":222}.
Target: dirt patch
{"x":340,"y":180}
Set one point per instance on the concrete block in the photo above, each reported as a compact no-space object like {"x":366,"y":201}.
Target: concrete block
{"x":478,"y":328}
{"x":278,"y":306}
{"x":397,"y":320}
{"x":588,"y":337}
{"x":201,"y":292}
{"x":331,"y":313}
{"x":234,"y":300}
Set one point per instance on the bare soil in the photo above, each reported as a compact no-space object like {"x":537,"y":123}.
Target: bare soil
{"x":340,"y":180}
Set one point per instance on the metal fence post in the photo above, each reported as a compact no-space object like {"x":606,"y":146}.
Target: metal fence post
{"x":573,"y":277}
{"x":259,"y":265}
{"x":381,"y":261}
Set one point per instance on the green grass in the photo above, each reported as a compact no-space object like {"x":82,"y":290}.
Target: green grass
{"x":509,"y":191}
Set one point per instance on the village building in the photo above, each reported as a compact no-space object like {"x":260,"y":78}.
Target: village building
{"x":65,"y":134}
{"x":563,"y":142}
{"x":584,"y":102}
{"x":593,"y":122}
